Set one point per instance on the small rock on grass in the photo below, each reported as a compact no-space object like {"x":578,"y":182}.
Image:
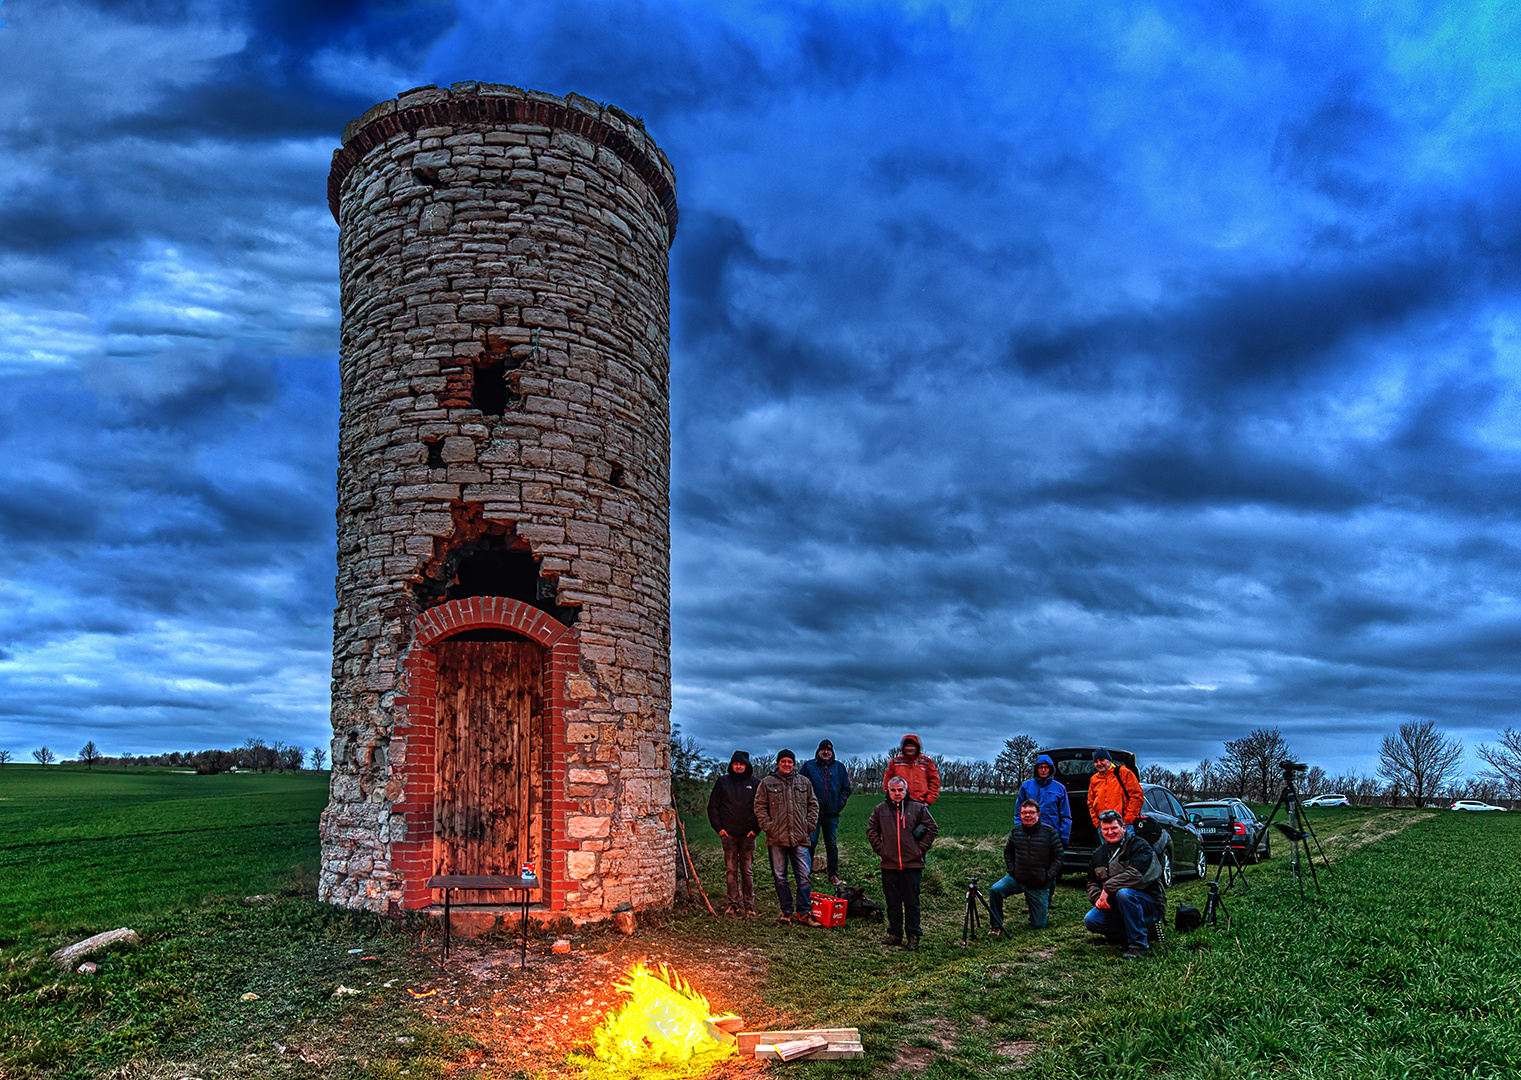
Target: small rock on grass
{"x":70,"y":955}
{"x":344,"y":991}
{"x":262,"y":898}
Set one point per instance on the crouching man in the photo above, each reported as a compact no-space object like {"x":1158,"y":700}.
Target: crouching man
{"x":1125,"y":887}
{"x":1033,"y":857}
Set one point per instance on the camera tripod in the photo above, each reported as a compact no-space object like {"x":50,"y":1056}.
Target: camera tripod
{"x":973,"y":916}
{"x":1214,"y":904}
{"x":1297,"y":829}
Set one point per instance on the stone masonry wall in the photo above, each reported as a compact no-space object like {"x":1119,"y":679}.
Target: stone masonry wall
{"x":482,"y":223}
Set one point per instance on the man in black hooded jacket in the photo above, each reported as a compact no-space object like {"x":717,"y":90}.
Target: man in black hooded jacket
{"x":731,"y":812}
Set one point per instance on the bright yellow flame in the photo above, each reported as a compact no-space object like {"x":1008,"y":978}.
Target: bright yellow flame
{"x":665,"y":1021}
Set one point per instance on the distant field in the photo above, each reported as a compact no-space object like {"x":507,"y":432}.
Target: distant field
{"x":83,"y":848}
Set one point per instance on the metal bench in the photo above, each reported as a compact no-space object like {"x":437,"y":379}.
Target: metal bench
{"x":473,"y":882}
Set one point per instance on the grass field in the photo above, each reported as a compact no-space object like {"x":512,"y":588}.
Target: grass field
{"x":80,"y":847}
{"x":1404,"y":967}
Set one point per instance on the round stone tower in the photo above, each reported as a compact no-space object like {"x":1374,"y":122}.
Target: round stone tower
{"x":501,"y":653}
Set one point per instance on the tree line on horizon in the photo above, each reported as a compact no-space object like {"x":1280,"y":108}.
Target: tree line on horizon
{"x":253,"y":755}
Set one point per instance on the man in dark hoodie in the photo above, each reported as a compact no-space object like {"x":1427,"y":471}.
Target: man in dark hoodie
{"x":1033,"y":858}
{"x":831,"y":784}
{"x":731,"y":812}
{"x":1125,"y":886}
{"x":901,"y":830}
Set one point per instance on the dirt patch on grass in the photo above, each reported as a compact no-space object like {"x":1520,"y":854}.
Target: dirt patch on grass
{"x":1015,"y":1050}
{"x":1371,"y":832}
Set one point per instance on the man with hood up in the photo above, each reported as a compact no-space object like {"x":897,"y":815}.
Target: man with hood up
{"x":917,"y":771}
{"x":731,"y":812}
{"x":831,"y":783}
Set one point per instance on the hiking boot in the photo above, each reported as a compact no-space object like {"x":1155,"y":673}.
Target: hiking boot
{"x":1133,"y":954}
{"x":784,"y":920}
{"x":836,"y":884}
{"x":750,"y":913}
{"x":912,"y":944}
{"x":892,"y":939}
{"x":996,"y":931}
{"x":808,"y":920}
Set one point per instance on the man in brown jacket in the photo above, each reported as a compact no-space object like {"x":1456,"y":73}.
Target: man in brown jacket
{"x":901,"y":830}
{"x":787,"y":810}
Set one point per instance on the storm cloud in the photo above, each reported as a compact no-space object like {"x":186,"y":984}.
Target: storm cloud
{"x":1111,"y":373}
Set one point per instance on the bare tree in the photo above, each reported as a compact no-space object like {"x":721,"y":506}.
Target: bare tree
{"x":1253,"y":761}
{"x":89,"y":754}
{"x":1504,"y":760}
{"x":319,"y":757}
{"x":5,"y":755}
{"x":1017,"y":758}
{"x":1417,"y":759}
{"x":43,"y":756}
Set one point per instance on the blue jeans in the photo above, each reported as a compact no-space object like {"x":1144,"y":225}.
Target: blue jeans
{"x":1038,"y":899}
{"x":1125,"y":921}
{"x":802,"y":865}
{"x":830,"y":827}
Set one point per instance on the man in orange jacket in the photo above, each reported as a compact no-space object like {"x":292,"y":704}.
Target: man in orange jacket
{"x":917,"y":771}
{"x":1113,"y":787}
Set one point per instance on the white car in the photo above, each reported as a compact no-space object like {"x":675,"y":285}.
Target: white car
{"x":1474,"y":804}
{"x":1327,"y":800}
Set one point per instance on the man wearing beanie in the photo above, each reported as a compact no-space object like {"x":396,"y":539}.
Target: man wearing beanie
{"x":831,"y":786}
{"x":787,"y":810}
{"x":1113,"y":787}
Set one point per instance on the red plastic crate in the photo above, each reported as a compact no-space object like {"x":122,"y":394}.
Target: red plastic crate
{"x":829,"y":910}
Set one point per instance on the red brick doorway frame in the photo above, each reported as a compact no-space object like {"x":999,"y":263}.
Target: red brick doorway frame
{"x":416,"y":728}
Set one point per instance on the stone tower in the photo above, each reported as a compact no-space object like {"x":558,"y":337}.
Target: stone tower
{"x":501,"y":653}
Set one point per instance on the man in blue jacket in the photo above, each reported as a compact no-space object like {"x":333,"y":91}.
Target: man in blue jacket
{"x":1050,"y":794}
{"x":831,"y":784}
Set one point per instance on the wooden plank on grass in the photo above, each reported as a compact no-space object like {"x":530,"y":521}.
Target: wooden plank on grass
{"x":749,"y":1040}
{"x":835,"y":1051}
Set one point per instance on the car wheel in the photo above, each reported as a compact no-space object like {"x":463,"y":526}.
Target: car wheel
{"x":1201,"y":869}
{"x":1266,"y":852}
{"x":1166,"y":870}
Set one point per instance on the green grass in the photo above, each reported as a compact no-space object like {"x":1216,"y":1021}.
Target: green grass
{"x":1404,"y":967}
{"x":81,"y":848}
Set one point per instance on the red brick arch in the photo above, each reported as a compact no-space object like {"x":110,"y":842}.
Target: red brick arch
{"x":416,"y":723}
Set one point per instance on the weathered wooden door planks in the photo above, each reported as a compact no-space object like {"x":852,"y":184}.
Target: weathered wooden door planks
{"x":488,"y":792}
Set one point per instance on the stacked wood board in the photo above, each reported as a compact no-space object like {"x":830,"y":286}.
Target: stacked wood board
{"x":812,"y":1044}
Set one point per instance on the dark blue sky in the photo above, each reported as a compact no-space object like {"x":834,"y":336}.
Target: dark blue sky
{"x":1123,"y":373}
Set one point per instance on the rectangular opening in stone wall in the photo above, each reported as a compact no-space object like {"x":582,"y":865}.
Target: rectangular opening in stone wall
{"x":489,"y":759}
{"x":489,"y":394}
{"x":435,"y":453}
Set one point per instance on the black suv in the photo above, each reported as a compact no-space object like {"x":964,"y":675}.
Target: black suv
{"x":1182,"y":845}
{"x":1229,"y":823}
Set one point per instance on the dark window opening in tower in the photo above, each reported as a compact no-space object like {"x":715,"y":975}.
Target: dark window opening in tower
{"x":489,"y":392}
{"x":491,"y":567}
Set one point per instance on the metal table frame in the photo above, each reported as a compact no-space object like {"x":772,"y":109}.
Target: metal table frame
{"x":472,"y":882}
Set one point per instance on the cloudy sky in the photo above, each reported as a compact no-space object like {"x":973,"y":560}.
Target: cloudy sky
{"x":1111,"y":372}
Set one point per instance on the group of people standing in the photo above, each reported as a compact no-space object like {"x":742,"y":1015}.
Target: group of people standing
{"x":797,"y":806}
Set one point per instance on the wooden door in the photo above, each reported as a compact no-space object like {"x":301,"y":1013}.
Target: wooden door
{"x":488,"y":786}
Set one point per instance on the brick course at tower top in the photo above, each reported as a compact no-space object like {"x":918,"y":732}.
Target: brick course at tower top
{"x":505,"y":390}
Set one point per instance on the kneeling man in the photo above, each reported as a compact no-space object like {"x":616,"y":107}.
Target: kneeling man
{"x":1033,"y":858}
{"x":1125,"y":887}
